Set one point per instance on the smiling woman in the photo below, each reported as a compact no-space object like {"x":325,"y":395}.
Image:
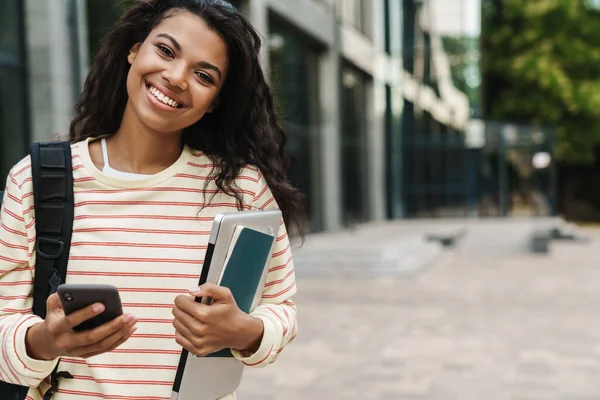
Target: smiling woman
{"x":173,"y":82}
{"x":176,"y":123}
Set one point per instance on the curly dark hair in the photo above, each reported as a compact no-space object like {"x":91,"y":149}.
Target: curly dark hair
{"x":242,"y":130}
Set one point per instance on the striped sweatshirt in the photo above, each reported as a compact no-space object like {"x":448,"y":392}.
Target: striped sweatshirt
{"x":148,"y":238}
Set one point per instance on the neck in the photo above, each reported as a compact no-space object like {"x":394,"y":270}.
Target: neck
{"x":136,"y":149}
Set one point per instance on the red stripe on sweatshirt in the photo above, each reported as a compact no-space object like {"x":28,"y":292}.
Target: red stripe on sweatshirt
{"x":12,"y":260}
{"x":282,"y":266}
{"x":267,"y":203}
{"x":25,"y":167}
{"x":281,"y":293}
{"x":131,"y":274}
{"x":15,"y":347}
{"x":261,"y":361}
{"x":134,"y":260}
{"x":13,"y":215}
{"x":282,"y":252}
{"x":8,"y":367}
{"x":13,"y":246}
{"x":118,"y":366}
{"x":14,"y":232}
{"x":139,"y":245}
{"x":122,"y":381}
{"x":279,"y":281}
{"x":149,"y":231}
{"x":145,"y":216}
{"x":106,"y":396}
{"x":258,"y":196}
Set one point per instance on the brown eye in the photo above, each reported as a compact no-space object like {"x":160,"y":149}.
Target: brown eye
{"x":205,"y":77}
{"x":165,"y":50}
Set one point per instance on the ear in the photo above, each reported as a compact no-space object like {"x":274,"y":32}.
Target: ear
{"x":133,"y":52}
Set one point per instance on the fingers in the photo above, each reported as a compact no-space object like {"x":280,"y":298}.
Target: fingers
{"x":110,"y":343}
{"x":198,"y":311}
{"x":192,"y":330}
{"x":96,"y":335}
{"x":76,"y":343}
{"x":199,"y":349}
{"x":186,"y":344}
{"x":217,"y":293}
{"x":186,"y":332}
{"x":83,"y":315}
{"x":188,"y":320}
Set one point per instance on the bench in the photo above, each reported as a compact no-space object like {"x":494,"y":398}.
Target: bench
{"x":446,"y":239}
{"x":540,"y":240}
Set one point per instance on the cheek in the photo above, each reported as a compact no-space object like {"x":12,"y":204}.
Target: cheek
{"x":133,"y":82}
{"x":202,"y":100}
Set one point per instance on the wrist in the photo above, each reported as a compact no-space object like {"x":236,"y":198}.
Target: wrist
{"x":252,"y":334}
{"x":36,"y":343}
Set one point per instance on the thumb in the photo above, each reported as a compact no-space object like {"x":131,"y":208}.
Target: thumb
{"x":53,"y":304}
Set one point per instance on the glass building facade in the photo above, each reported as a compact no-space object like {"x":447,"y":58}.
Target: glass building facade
{"x":350,"y":78}
{"x":354,"y":157}
{"x":294,"y":78}
{"x":14,"y":131}
{"x":434,"y":157}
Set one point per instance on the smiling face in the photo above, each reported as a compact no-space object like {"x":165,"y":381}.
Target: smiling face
{"x":176,"y":74}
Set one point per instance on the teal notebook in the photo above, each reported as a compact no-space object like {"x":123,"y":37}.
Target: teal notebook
{"x":250,"y":250}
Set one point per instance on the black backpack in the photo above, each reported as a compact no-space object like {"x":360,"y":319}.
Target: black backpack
{"x":52,"y":173}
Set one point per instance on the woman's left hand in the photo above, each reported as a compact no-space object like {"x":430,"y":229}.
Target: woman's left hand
{"x":203,"y":329}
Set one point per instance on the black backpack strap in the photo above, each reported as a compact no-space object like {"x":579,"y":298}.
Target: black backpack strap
{"x":52,"y":173}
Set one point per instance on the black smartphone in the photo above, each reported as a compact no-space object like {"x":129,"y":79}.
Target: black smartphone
{"x":77,"y":296}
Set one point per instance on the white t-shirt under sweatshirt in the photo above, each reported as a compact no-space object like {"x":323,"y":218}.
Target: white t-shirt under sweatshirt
{"x":148,"y":237}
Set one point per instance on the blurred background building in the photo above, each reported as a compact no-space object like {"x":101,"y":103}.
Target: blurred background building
{"x":380,"y":99}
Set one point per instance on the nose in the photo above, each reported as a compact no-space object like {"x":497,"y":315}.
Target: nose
{"x":176,"y":75}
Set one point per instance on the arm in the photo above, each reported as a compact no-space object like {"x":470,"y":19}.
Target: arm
{"x":16,"y":285}
{"x":277,"y":311}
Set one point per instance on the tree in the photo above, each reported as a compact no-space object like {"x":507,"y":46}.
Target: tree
{"x":541,"y":65}
{"x":463,"y":54}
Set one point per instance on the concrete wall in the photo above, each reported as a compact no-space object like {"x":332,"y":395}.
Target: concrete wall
{"x":52,"y":83}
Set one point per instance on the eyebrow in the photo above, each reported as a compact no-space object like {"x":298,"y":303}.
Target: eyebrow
{"x":201,"y":64}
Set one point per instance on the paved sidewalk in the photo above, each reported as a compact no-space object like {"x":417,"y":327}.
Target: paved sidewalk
{"x":469,"y":327}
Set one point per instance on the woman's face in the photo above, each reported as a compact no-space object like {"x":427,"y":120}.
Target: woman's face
{"x":176,"y":73}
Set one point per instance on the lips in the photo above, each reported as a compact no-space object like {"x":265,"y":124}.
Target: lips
{"x":162,"y":97}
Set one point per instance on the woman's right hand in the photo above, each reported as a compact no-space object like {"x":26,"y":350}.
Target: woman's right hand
{"x":55,"y":336}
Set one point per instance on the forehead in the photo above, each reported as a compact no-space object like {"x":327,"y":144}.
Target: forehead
{"x":197,"y":40}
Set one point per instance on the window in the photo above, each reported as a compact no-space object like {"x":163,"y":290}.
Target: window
{"x":293,"y":62}
{"x":355,"y":12}
{"x":14,"y":134}
{"x":353,"y":142}
{"x":434,"y":167}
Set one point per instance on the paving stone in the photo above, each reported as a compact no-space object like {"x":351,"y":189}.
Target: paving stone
{"x":474,"y":326}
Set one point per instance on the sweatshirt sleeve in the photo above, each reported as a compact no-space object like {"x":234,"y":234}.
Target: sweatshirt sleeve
{"x":276,"y":309}
{"x":16,"y":285}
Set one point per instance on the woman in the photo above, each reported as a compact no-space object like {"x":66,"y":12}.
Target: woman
{"x":176,"y":123}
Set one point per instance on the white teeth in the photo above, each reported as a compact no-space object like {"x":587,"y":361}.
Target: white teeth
{"x":163,"y":98}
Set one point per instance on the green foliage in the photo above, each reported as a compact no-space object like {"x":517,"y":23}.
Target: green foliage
{"x":463,"y":54}
{"x":541,"y":62}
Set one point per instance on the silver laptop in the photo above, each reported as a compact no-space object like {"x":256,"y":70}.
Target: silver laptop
{"x":209,"y":378}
